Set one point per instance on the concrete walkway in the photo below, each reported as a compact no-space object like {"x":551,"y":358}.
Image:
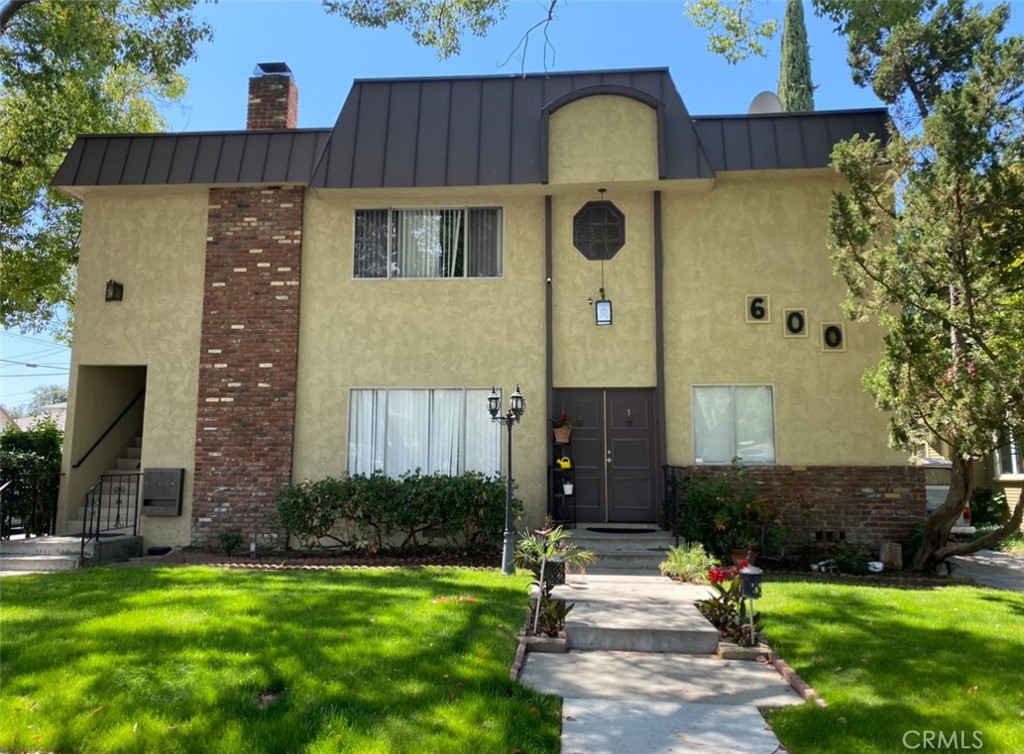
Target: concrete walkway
{"x":995,"y":569}
{"x":642,"y":678}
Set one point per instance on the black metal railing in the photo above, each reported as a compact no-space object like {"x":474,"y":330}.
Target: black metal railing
{"x":112,"y":506}
{"x":28,"y":504}
{"x":672,"y":501}
{"x":109,"y":428}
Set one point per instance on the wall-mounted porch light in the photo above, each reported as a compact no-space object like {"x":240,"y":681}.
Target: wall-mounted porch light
{"x":115,"y":291}
{"x":603,"y":310}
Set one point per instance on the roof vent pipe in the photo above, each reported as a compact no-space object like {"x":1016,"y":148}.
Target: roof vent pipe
{"x":273,"y":98}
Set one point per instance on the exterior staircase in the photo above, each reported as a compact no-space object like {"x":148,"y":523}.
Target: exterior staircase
{"x":120,"y":494}
{"x":120,"y":497}
{"x":622,"y":603}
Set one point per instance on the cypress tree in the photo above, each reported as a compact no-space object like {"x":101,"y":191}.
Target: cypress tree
{"x":796,"y":92}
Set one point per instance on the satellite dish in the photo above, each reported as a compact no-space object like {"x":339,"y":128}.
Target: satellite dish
{"x":765,"y":103}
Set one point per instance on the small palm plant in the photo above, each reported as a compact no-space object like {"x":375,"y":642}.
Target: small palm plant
{"x":688,"y":562}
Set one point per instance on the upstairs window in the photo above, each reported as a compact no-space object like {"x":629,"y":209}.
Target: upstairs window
{"x":462,"y":242}
{"x":1010,"y":459}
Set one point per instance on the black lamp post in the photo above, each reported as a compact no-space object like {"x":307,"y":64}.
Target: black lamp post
{"x":516,"y":408}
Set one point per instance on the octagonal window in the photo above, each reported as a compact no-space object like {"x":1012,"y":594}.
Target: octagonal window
{"x":599,"y":230}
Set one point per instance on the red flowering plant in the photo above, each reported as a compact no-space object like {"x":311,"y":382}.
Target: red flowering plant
{"x":563,"y":421}
{"x":726,"y":608}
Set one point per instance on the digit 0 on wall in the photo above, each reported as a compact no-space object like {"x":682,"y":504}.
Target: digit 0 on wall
{"x":833,"y":336}
{"x":758,"y":308}
{"x":794,"y":323}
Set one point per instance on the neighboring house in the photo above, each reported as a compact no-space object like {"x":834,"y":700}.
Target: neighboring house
{"x":6,"y":420}
{"x":58,"y":412}
{"x":447,"y":235}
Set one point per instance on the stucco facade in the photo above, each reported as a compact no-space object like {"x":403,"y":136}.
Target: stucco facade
{"x":703,"y":236}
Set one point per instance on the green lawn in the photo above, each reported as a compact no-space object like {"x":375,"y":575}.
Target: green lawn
{"x":895,"y":663}
{"x":208,"y":660}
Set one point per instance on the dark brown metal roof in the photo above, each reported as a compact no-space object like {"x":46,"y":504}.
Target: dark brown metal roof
{"x":485,"y":130}
{"x":463,"y":131}
{"x":160,"y":159}
{"x":783,"y":141}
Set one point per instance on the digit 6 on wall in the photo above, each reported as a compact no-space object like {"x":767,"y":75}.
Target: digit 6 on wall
{"x":758,"y":308}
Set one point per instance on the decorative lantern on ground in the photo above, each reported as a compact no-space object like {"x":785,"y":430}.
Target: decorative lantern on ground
{"x":750,"y":589}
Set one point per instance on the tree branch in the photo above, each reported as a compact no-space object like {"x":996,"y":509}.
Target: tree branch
{"x":524,"y":41}
{"x":966,"y":548}
{"x":9,"y":10}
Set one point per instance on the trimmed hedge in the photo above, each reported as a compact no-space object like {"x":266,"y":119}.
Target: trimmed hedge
{"x":369,"y":513}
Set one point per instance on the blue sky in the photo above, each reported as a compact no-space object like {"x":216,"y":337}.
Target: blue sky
{"x":325,"y":54}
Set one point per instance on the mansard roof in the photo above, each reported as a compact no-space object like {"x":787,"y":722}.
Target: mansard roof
{"x":460,"y":131}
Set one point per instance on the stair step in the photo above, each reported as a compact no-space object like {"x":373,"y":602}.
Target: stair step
{"x":43,"y":546}
{"x":38,"y":562}
{"x":127,"y":464}
{"x":133,"y":451}
{"x":635,"y":613}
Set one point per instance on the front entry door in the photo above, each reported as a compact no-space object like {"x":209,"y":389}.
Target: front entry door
{"x":614,"y":451}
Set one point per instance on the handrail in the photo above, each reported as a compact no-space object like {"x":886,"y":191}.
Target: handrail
{"x":107,"y":431}
{"x":118,"y":514}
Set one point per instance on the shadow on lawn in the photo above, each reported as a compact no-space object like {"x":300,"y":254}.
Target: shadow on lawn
{"x":888,"y":664}
{"x":201,"y":659}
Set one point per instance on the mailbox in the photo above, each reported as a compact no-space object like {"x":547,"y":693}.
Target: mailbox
{"x":162,"y":492}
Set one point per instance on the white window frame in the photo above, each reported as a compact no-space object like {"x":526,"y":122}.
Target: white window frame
{"x":475,"y":405}
{"x":732,"y":407}
{"x":1016,"y":470}
{"x":392,"y":210}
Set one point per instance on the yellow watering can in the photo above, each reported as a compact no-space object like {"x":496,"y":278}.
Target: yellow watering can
{"x":563,"y":463}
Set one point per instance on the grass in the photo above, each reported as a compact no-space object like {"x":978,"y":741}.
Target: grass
{"x":1014,"y":544}
{"x":899,"y":662}
{"x":208,"y":660}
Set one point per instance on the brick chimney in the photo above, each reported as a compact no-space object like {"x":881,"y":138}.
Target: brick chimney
{"x":273,"y":98}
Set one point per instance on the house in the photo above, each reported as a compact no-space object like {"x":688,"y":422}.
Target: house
{"x":275,"y":304}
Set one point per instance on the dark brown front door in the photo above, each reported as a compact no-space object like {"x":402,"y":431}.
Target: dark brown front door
{"x":614,"y":452}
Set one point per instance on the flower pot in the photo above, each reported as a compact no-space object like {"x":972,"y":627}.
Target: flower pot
{"x":567,"y":488}
{"x":562,"y":435}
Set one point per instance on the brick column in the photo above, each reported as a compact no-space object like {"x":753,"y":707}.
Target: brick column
{"x":249,"y":363}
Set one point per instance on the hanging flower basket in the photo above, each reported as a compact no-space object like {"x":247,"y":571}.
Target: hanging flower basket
{"x":562,"y":435}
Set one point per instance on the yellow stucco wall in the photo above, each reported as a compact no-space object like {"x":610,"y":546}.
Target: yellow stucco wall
{"x":603,"y":139}
{"x":624,"y":354}
{"x":419,"y":333}
{"x":759,"y":234}
{"x":153,"y":241}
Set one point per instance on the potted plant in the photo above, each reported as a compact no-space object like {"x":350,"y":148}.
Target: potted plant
{"x":562,"y":429}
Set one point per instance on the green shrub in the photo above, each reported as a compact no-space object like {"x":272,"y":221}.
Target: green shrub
{"x":362,"y":512}
{"x":688,"y":562}
{"x":30,"y":463}
{"x":988,"y":507}
{"x":229,"y":541}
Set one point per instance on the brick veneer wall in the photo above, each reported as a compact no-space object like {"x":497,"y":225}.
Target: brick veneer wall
{"x":861,"y":504}
{"x":248,"y":364}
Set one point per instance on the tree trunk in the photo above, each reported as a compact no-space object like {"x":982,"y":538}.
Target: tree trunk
{"x":936,"y":547}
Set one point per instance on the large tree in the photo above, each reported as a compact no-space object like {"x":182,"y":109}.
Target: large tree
{"x":796,"y":91}
{"x":69,"y":68}
{"x":930,"y":234}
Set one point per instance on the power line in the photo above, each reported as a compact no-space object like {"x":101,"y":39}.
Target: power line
{"x":32,"y":364}
{"x":19,"y":336}
{"x":33,"y":375}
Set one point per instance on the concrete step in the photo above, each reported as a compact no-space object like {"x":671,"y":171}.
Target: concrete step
{"x":46,"y":546}
{"x":133,"y":451}
{"x":127,"y":464}
{"x":624,"y":550}
{"x":46,"y":563}
{"x":635,"y":613}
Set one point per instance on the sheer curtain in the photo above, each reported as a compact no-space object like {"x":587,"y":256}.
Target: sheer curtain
{"x":483,"y":436}
{"x":428,"y":243}
{"x":755,"y":425}
{"x":408,"y":431}
{"x":443,"y":431}
{"x":712,"y":424}
{"x":446,"y":431}
{"x":366,"y":431}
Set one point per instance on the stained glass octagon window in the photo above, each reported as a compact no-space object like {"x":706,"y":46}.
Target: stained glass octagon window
{"x":599,"y":230}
